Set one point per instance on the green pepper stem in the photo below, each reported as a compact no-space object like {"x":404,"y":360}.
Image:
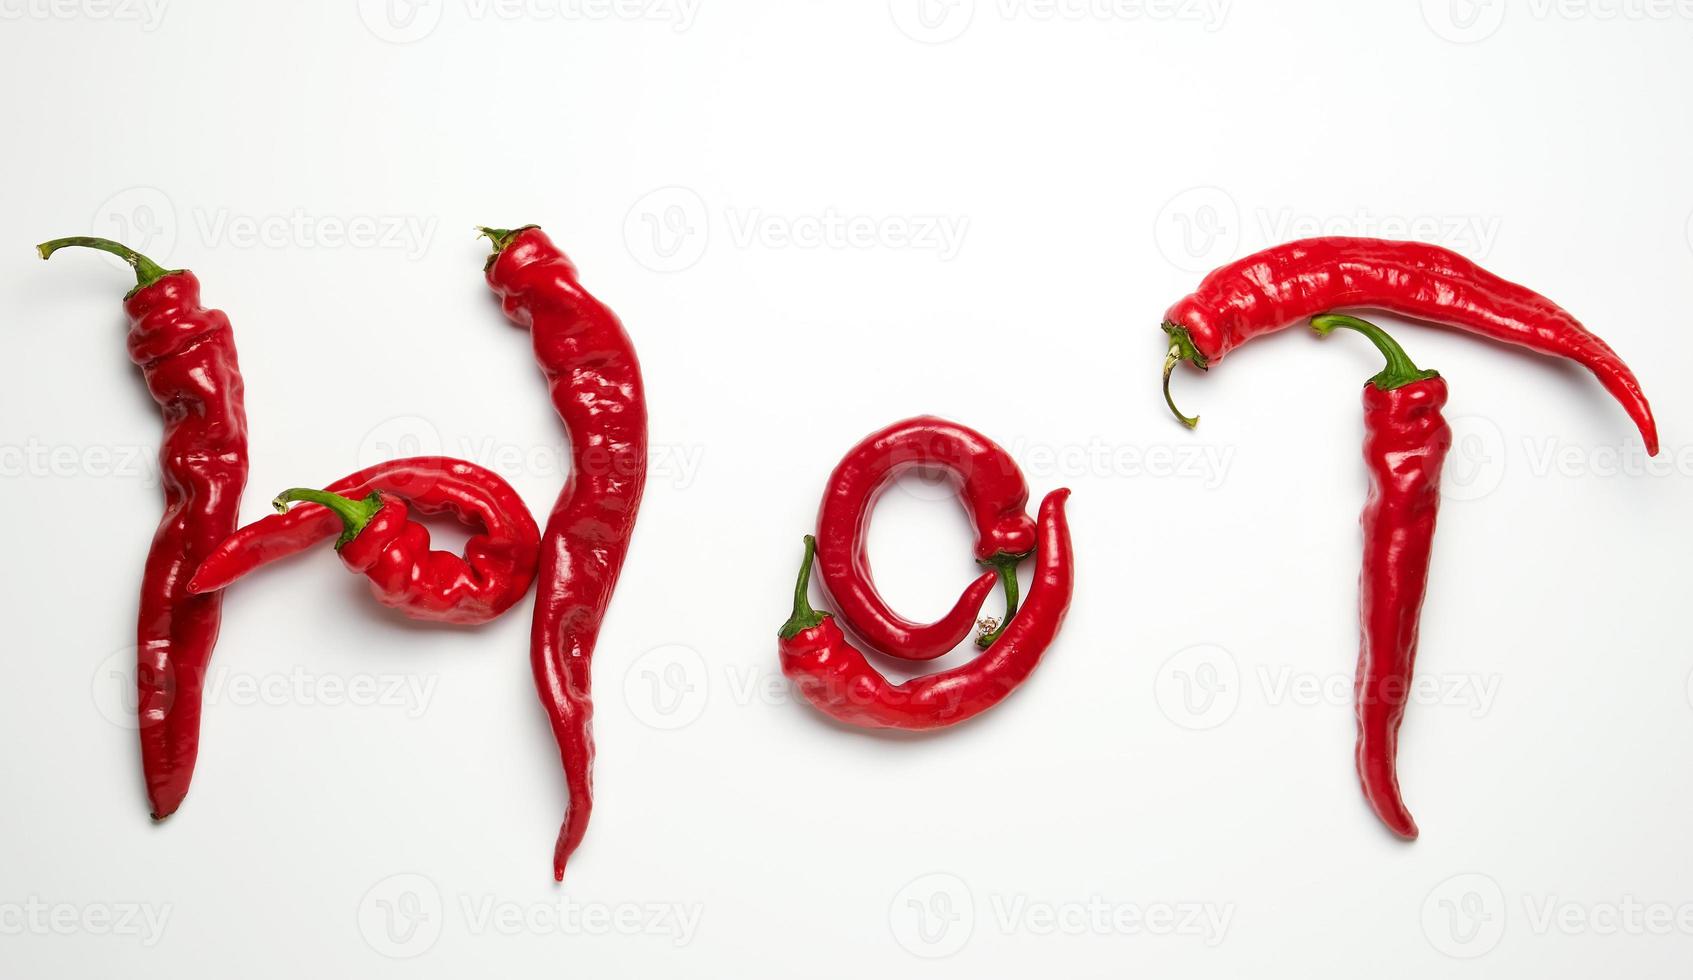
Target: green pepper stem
{"x":804,"y":616}
{"x":1400,"y":370}
{"x":501,"y":237}
{"x":1181,"y":349}
{"x":355,"y":514}
{"x":147,"y":272}
{"x":1006,"y":565}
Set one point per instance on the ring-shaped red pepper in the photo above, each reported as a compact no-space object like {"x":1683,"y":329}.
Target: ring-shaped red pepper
{"x":837,"y":679}
{"x":376,"y":538}
{"x":995,"y":495}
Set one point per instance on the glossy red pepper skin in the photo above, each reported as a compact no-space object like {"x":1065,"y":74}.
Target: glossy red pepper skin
{"x":494,"y":573}
{"x":994,"y":494}
{"x":1278,"y":287}
{"x":186,"y":353}
{"x":838,"y":680}
{"x":595,"y":380}
{"x":1405,"y":444}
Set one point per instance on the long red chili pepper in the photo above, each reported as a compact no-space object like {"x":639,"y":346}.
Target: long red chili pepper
{"x":1405,"y":443}
{"x":377,"y":540}
{"x":994,"y":493}
{"x":839,"y":681}
{"x":187,"y":356}
{"x":590,"y":367}
{"x":1287,"y":284}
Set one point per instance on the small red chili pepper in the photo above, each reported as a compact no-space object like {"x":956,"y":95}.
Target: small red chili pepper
{"x":838,"y":680}
{"x":1287,"y":284}
{"x":187,"y":356}
{"x":378,"y":541}
{"x":595,"y":380}
{"x":1405,"y":443}
{"x":994,"y":493}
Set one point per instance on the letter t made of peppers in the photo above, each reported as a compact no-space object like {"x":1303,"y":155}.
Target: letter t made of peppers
{"x":186,"y":355}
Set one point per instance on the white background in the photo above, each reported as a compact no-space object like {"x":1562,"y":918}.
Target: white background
{"x":1172,"y":792}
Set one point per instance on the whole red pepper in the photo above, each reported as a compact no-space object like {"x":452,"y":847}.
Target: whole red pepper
{"x":995,"y":496}
{"x":1405,"y":443}
{"x":378,"y":541}
{"x":186,"y":353}
{"x":839,"y":681}
{"x":1278,"y":287}
{"x":595,"y":380}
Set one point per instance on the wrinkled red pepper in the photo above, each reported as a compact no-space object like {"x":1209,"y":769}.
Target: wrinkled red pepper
{"x":1278,"y":287}
{"x":377,"y":540}
{"x":994,"y":493}
{"x":841,"y":683}
{"x":186,"y":353}
{"x":1405,"y":444}
{"x":590,"y":367}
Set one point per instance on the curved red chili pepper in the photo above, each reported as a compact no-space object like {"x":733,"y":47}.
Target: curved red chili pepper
{"x":393,"y":552}
{"x":187,"y":356}
{"x":1405,"y":443}
{"x":994,"y":494}
{"x":839,"y":681}
{"x":590,"y":367}
{"x":1287,"y":284}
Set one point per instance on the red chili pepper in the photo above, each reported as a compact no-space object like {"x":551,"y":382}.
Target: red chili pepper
{"x":378,"y":541}
{"x":994,"y":493}
{"x":1290,"y":283}
{"x":187,"y":356}
{"x":839,"y":681}
{"x":1405,"y":443}
{"x":595,"y":380}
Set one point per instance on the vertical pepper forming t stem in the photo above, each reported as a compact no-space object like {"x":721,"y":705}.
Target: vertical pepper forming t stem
{"x":1405,"y":443}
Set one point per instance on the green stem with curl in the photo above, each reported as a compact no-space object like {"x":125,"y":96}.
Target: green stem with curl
{"x":147,"y":272}
{"x":1006,"y":565}
{"x":1181,"y":349}
{"x":804,"y":616}
{"x":500,"y":238}
{"x":1400,"y":370}
{"x":354,"y":514}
